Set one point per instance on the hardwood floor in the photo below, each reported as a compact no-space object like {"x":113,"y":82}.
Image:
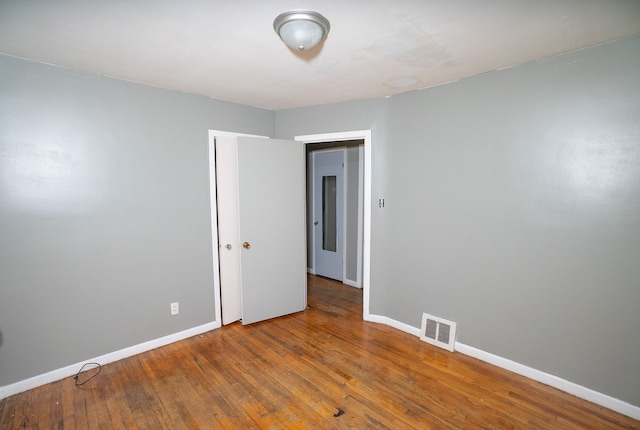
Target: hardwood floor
{"x":323,"y":368}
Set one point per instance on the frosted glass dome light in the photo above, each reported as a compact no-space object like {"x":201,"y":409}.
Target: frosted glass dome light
{"x":301,"y":29}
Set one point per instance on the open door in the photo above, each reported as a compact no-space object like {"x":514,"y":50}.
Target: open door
{"x":261,"y":223}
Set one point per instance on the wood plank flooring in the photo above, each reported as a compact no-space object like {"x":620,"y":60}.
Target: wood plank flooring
{"x":324,"y":368}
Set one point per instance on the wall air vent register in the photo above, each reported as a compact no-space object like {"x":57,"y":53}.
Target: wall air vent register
{"x":438,"y":332}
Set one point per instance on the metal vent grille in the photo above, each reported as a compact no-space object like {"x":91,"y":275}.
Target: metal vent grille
{"x":431,"y":329}
{"x":438,"y":331}
{"x":443,"y":333}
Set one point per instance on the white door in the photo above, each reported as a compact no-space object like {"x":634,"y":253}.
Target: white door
{"x":264,"y":226}
{"x":226,"y":170}
{"x":328,"y":179}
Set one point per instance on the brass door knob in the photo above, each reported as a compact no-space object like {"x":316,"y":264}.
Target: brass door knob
{"x":246,"y":245}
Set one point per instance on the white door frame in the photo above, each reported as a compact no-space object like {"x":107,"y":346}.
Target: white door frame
{"x":366,"y":222}
{"x":343,"y":243}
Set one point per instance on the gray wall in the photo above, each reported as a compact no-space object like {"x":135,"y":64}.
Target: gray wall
{"x":104,"y":213}
{"x":513,"y":207}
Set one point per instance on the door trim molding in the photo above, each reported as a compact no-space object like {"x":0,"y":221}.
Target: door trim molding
{"x":366,"y":239}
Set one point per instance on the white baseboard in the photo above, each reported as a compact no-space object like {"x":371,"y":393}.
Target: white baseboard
{"x":553,"y":381}
{"x":351,"y":283}
{"x":311,"y":271}
{"x":393,"y":323}
{"x":56,"y":375}
{"x":529,"y":372}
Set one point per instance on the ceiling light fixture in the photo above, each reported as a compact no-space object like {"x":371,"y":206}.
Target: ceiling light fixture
{"x":301,"y":29}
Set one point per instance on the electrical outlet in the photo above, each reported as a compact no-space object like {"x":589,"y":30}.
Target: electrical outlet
{"x":175,"y":308}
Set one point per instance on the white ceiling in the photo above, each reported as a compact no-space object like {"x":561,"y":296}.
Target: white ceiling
{"x":376,"y":48}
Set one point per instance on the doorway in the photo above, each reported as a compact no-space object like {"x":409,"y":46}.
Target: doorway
{"x":335,"y":247}
{"x":359,"y":142}
{"x":364,"y":234}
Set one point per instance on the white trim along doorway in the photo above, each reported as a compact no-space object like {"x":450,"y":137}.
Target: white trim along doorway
{"x":364,"y":135}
